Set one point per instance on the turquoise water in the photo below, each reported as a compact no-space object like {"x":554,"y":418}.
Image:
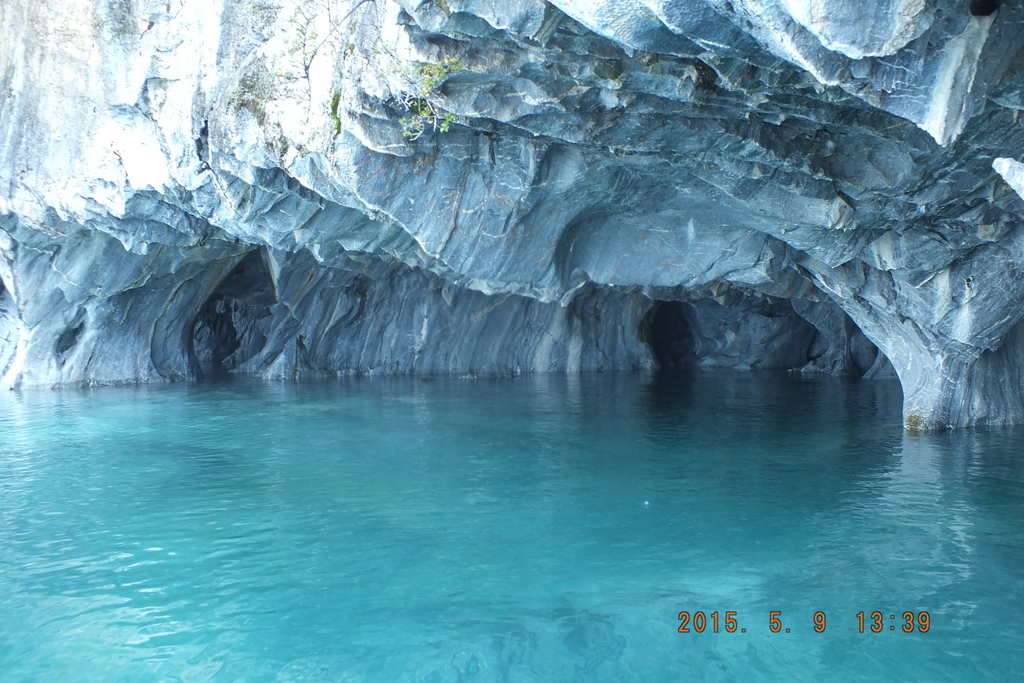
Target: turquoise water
{"x":544,"y":528}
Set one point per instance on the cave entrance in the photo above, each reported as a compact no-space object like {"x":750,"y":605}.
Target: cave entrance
{"x":229,"y":330}
{"x":667,"y":332}
{"x":746,"y":332}
{"x":983,"y":8}
{"x":69,"y":338}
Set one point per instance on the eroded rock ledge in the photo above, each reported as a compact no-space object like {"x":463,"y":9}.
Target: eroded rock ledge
{"x":391,"y":186}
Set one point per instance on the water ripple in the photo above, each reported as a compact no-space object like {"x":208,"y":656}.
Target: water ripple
{"x":544,"y":529}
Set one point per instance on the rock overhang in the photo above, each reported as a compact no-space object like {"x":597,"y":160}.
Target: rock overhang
{"x":569,"y":165}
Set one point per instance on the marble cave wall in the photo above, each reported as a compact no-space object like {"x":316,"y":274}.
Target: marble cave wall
{"x":335,"y":187}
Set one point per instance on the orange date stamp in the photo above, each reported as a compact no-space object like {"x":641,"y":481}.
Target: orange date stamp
{"x":876,"y":622}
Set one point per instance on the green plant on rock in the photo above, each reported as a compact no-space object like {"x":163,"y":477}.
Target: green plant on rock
{"x":422,"y":82}
{"x":335,"y":114}
{"x":433,"y":75}
{"x":307,"y":41}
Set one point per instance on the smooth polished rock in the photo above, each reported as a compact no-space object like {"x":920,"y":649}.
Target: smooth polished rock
{"x":469,"y":186}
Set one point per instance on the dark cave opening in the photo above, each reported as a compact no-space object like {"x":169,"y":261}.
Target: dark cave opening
{"x":666,"y":331}
{"x":748,"y":332}
{"x":983,"y":8}
{"x":228,"y":330}
{"x":68,"y":339}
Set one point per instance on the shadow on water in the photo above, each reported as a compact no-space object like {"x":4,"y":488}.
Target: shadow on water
{"x":774,"y":403}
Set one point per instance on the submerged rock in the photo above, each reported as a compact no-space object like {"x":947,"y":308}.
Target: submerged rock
{"x":404,"y":186}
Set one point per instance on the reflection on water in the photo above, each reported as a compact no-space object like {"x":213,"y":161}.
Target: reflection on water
{"x":544,"y":528}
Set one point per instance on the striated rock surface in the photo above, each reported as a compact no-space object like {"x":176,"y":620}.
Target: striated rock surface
{"x":403,"y":186}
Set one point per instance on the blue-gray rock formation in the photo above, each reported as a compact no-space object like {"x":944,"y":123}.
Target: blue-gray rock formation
{"x":325,"y":187}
